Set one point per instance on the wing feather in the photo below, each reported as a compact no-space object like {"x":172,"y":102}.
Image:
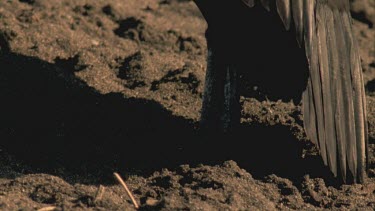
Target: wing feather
{"x":284,"y":10}
{"x":343,"y":40}
{"x":359,"y":98}
{"x":334,"y":104}
{"x":250,"y":3}
{"x":266,"y":4}
{"x":326,"y":77}
{"x":309,"y":107}
{"x":337,"y":86}
{"x":297,"y":10}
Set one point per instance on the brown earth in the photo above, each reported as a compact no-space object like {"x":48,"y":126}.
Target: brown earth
{"x":92,"y":87}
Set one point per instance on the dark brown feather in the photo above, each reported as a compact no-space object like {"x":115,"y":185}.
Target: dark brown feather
{"x":337,"y":86}
{"x":334,"y":104}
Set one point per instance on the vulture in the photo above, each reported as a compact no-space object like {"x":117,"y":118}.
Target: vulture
{"x":333,"y":98}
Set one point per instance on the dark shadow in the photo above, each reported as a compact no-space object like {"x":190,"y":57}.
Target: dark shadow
{"x":272,"y":63}
{"x":370,"y":87}
{"x":263,"y":150}
{"x":52,"y":120}
{"x":31,"y":2}
{"x":361,"y":17}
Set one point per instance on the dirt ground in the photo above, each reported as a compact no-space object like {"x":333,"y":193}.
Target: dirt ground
{"x":89,"y":88}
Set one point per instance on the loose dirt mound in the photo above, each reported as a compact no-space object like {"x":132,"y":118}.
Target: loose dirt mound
{"x":92,"y":87}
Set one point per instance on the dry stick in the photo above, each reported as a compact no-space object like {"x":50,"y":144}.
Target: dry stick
{"x":47,"y":208}
{"x":119,"y":179}
{"x":99,"y":193}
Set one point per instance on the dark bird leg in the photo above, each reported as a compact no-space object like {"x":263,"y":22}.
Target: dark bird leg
{"x":213,"y":96}
{"x":231,"y":115}
{"x":220,"y":107}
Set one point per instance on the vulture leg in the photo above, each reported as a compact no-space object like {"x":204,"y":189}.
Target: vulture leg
{"x":213,"y":96}
{"x":220,"y":106}
{"x":231,"y":115}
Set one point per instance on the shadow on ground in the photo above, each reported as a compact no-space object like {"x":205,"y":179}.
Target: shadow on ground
{"x":51,"y":120}
{"x":48,"y":114}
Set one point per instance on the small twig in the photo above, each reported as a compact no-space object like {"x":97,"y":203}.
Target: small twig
{"x":47,"y":209}
{"x":121,"y":181}
{"x":99,"y":193}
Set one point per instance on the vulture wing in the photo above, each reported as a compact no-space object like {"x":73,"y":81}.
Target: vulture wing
{"x":334,"y":106}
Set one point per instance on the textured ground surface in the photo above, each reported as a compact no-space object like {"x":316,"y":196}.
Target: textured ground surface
{"x":92,"y":87}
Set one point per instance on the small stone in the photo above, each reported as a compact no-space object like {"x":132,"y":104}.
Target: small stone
{"x":95,"y":42}
{"x":151,"y":202}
